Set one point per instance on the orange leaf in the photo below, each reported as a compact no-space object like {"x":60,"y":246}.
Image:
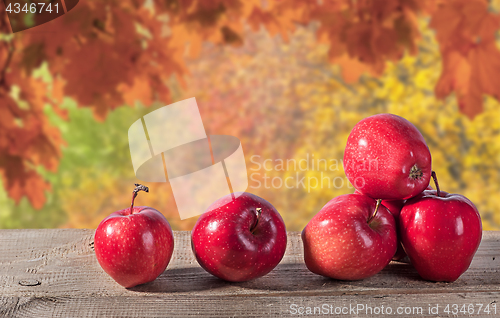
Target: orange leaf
{"x":352,"y":69}
{"x":446,"y":20}
{"x":471,"y":104}
{"x":19,"y":181}
{"x":359,"y":39}
{"x":140,"y":90}
{"x":485,"y":62}
{"x":58,"y":89}
{"x":479,"y":22}
{"x":455,"y":76}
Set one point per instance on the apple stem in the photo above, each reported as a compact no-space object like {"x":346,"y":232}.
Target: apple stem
{"x":375,"y":212}
{"x":434,"y":177}
{"x":138,"y":187}
{"x":259,"y":213}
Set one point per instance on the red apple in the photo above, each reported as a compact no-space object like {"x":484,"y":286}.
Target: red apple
{"x":441,"y":233}
{"x":134,"y":245}
{"x":240,"y":237}
{"x":351,"y":238}
{"x":394,"y":206}
{"x":387,"y":158}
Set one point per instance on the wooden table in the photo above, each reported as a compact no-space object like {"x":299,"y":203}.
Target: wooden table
{"x":54,"y":273}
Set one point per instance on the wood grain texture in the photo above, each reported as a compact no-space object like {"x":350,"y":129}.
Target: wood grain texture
{"x":54,"y":273}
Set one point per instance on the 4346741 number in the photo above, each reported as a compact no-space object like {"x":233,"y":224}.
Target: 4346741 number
{"x":39,"y":7}
{"x":470,"y":309}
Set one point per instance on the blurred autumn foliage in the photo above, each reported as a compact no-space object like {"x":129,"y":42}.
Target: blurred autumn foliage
{"x":290,"y":78}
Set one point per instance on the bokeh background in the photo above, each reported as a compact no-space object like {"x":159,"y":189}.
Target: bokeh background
{"x":289,"y":78}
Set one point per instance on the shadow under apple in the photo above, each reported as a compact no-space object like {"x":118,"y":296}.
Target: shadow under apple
{"x":182,"y":280}
{"x":295,"y":279}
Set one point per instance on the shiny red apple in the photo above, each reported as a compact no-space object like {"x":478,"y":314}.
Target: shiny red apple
{"x":386,"y":157}
{"x":441,"y":233}
{"x":240,"y":237}
{"x":394,"y":206}
{"x":134,"y":245}
{"x":352,"y":237}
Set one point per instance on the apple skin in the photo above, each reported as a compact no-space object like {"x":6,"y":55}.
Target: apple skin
{"x":134,"y":248}
{"x":225,"y":246}
{"x":394,"y":206}
{"x":341,"y":244}
{"x":440,"y":234}
{"x":386,"y":157}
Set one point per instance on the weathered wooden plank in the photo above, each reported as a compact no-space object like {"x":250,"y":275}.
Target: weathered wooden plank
{"x":55,"y":272}
{"x":247,"y":306}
